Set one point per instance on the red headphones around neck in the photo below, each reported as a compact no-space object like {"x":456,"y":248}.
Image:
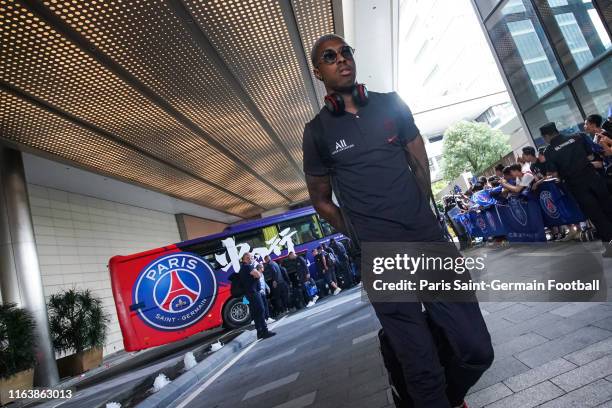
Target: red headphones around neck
{"x":335,"y":102}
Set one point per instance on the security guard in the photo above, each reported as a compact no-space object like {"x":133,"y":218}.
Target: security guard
{"x":569,"y":158}
{"x":380,"y":173}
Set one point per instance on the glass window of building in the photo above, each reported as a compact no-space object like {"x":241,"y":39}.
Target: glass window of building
{"x":559,"y":108}
{"x":523,"y":51}
{"x":486,"y":6}
{"x":605,"y":7}
{"x":306,"y":228}
{"x":576,"y":31}
{"x":594,"y":89}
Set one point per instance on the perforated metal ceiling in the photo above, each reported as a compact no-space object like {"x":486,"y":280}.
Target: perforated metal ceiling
{"x":202,"y":100}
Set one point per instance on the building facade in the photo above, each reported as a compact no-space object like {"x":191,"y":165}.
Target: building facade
{"x":434,"y":68}
{"x":447,"y":74}
{"x":555,"y":57}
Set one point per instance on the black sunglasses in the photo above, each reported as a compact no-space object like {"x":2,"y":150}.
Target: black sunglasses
{"x":330,"y":55}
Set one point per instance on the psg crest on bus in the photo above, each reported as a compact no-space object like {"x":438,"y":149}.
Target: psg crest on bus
{"x":175,"y":291}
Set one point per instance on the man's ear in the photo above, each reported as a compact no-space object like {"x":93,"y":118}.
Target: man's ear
{"x":317,"y":74}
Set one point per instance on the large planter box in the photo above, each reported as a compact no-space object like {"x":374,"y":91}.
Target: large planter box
{"x":78,"y":363}
{"x":23,"y":380}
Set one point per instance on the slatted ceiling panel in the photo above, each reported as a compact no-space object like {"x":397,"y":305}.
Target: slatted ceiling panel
{"x":34,"y":127}
{"x":314,"y":19}
{"x":147,"y":39}
{"x":50,"y":67}
{"x":253,"y":40}
{"x":166,"y":54}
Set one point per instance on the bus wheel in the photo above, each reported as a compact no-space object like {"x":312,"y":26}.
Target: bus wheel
{"x":236,"y":313}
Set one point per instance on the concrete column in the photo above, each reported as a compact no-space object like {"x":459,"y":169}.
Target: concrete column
{"x":20,"y":280}
{"x":371,"y":27}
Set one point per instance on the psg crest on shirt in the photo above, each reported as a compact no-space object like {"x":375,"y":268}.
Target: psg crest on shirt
{"x":175,"y":291}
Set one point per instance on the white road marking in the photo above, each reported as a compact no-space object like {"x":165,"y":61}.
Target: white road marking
{"x":551,"y":254}
{"x":365,"y":337}
{"x":218,"y":374}
{"x":299,"y":402}
{"x":355,"y":320}
{"x":318,"y":349}
{"x":271,"y":386}
{"x":276,"y":357}
{"x":322,"y":322}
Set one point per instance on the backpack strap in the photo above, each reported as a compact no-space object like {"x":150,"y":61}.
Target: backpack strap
{"x":402,"y":139}
{"x":320,"y":145}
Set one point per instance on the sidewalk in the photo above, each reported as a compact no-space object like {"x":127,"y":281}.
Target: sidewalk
{"x":547,"y":354}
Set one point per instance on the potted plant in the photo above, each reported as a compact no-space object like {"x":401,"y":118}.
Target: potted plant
{"x":16,"y":350}
{"x":78,"y":324}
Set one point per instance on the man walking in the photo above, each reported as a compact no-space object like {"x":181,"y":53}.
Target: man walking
{"x":370,"y":148}
{"x":249,"y":279}
{"x":326,"y":271}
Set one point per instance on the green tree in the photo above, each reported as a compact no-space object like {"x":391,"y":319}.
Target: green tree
{"x":471,"y":146}
{"x":438,"y":186}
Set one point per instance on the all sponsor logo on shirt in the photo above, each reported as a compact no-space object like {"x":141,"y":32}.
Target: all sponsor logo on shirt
{"x":341,"y":146}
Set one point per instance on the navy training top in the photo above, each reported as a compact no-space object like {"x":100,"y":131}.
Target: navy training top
{"x":377,"y":188}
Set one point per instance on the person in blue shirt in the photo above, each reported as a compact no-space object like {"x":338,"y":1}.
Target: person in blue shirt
{"x":249,"y":279}
{"x":264,"y":291}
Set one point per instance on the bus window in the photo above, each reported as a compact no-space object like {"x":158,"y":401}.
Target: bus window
{"x":207,"y":250}
{"x":255,"y":238}
{"x":306,"y":227}
{"x":327,"y":227}
{"x":269,"y":232}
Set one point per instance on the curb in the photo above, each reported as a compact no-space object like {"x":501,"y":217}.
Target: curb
{"x":170,"y":393}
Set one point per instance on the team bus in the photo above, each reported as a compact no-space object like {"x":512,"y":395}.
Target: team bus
{"x":169,"y":293}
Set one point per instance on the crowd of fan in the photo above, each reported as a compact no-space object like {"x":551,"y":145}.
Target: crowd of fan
{"x":531,"y":170}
